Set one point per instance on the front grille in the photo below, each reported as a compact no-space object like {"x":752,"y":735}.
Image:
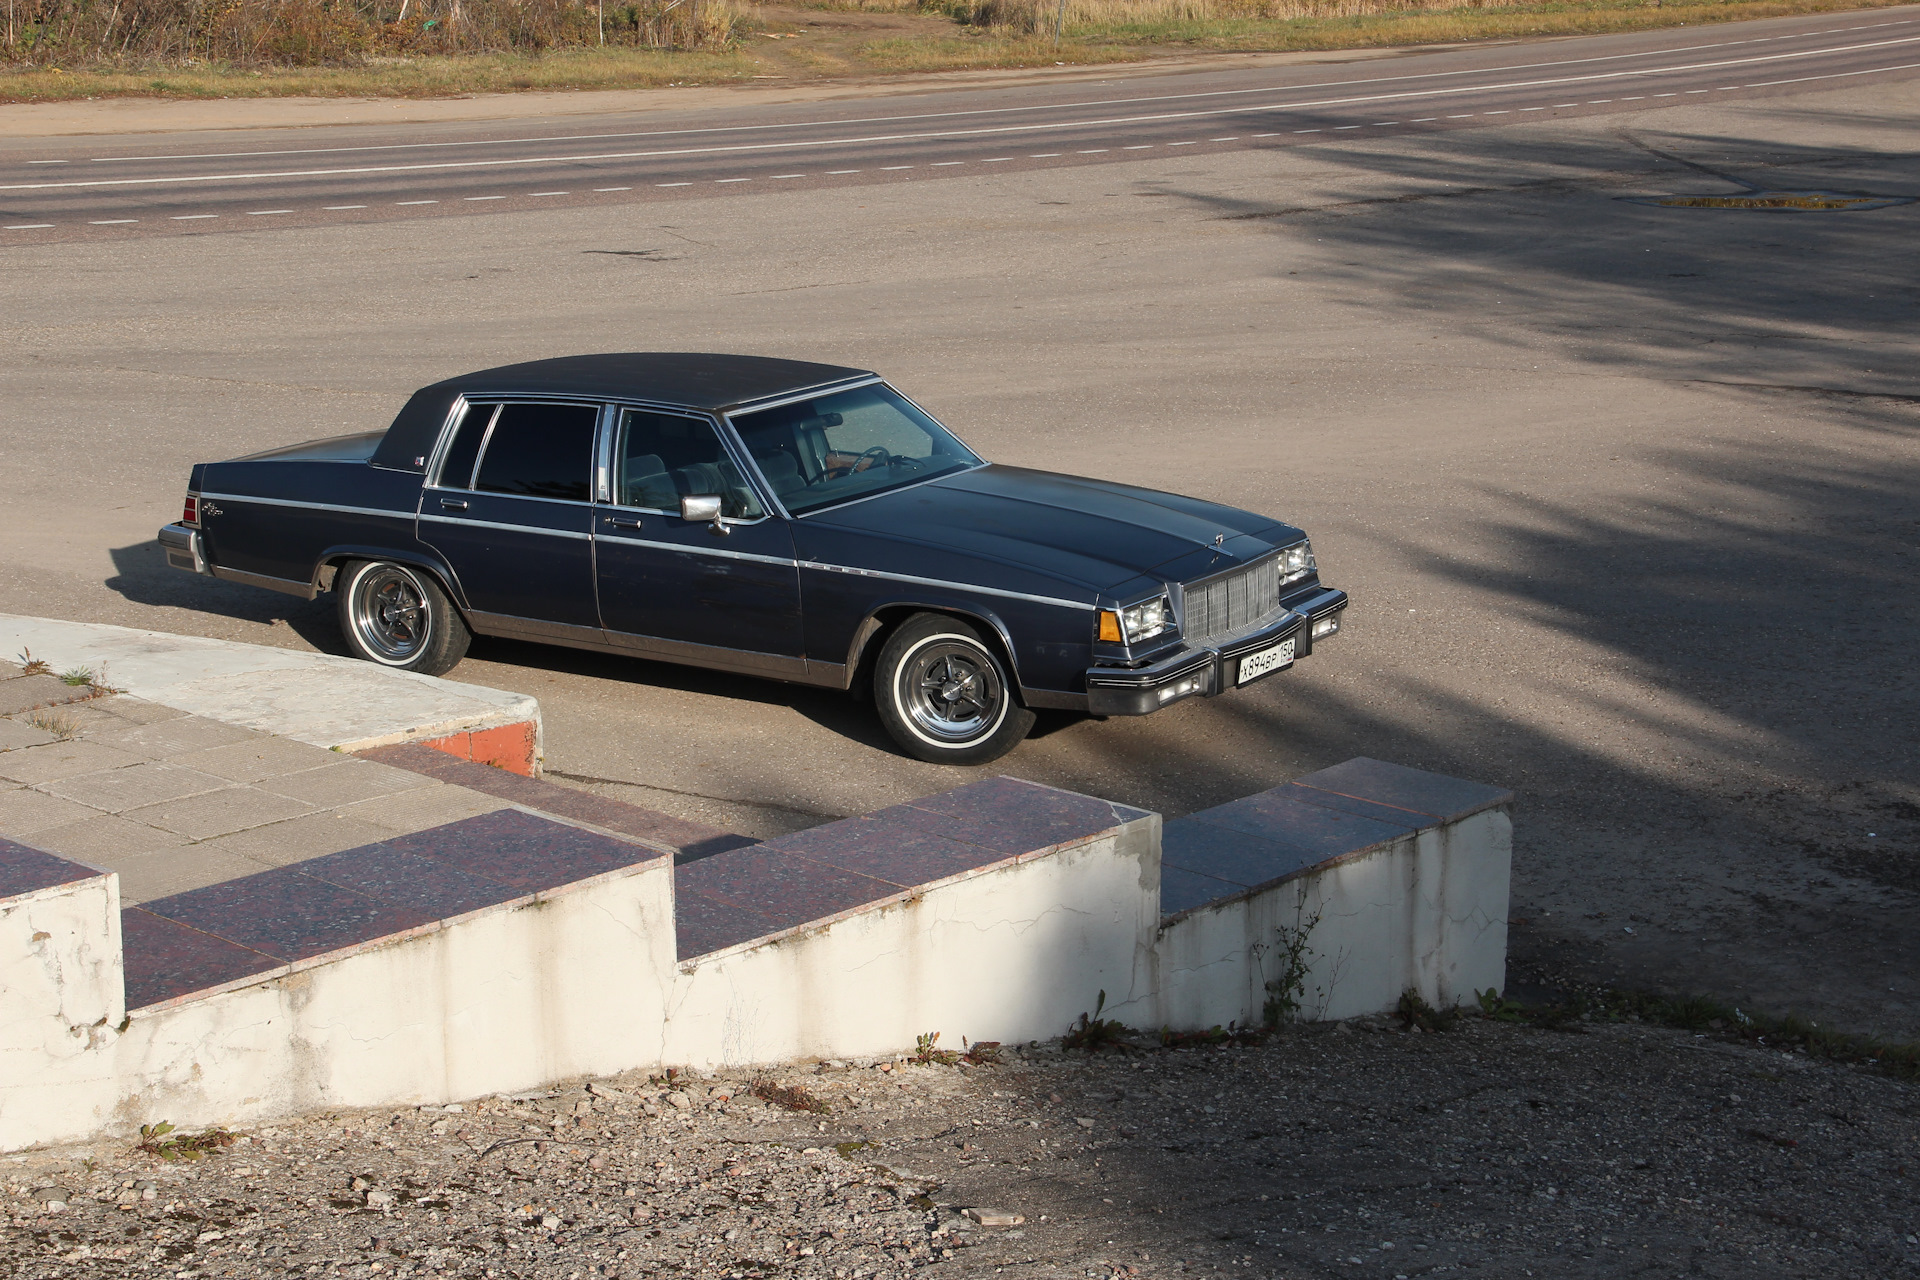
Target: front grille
{"x":1223,"y":607}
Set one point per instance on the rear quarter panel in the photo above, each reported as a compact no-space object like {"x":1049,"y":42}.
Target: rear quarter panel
{"x":278,"y":516}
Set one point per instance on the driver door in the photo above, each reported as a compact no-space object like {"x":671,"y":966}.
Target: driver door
{"x":677,"y":589}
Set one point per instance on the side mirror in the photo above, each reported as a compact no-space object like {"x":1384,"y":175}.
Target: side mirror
{"x":703,"y":506}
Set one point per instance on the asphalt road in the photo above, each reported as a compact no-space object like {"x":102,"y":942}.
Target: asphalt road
{"x":107,"y":187}
{"x":1625,"y":494}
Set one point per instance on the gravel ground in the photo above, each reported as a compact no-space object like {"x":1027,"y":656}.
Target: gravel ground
{"x":1356,"y":1149}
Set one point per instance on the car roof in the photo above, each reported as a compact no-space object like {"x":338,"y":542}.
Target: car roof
{"x":694,"y":379}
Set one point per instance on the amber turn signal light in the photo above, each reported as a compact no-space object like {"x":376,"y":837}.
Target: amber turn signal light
{"x":1110,"y":626}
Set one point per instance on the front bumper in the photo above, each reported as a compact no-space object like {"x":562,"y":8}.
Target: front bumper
{"x":1204,"y":672}
{"x":184,"y":551}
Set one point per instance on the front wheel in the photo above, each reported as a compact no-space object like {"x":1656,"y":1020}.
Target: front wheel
{"x":399,"y":617}
{"x":944,"y":694}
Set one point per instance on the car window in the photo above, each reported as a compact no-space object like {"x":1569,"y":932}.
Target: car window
{"x":539,"y":451}
{"x":456,"y":469}
{"x":664,"y":457}
{"x":846,"y":445}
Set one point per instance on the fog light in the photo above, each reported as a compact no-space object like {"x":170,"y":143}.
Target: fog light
{"x":1181,"y":688}
{"x":1326,"y":626}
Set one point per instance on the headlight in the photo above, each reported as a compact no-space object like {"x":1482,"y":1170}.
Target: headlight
{"x":1136,"y":622}
{"x":1296,"y":562}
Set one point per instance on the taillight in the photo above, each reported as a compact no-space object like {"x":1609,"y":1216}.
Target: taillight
{"x":191,"y":513}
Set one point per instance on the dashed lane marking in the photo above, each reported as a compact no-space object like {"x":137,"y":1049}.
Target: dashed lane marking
{"x":775,"y":177}
{"x":261,"y":213}
{"x":1092,"y":151}
{"x":945,"y":164}
{"x":486,"y":197}
{"x":598,"y":190}
{"x":834,"y":173}
{"x":552,"y":193}
{"x":192,"y":217}
{"x":404,"y":202}
{"x":673,"y":184}
{"x":891,"y":168}
{"x":1139,"y":146}
{"x":112,"y":222}
{"x":29,"y":226}
{"x":336,"y":208}
{"x":723,"y":181}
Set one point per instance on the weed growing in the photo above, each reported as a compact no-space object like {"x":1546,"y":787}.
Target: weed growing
{"x":1092,"y":1033}
{"x":77,"y":677}
{"x":165,"y":1141}
{"x":60,"y":726}
{"x":926,"y":1051}
{"x":32,"y":666}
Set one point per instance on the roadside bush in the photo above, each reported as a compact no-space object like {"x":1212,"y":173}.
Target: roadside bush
{"x":336,"y":32}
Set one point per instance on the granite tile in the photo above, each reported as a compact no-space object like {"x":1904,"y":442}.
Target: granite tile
{"x":1012,"y":816}
{"x":175,"y":737}
{"x":259,"y":758}
{"x":887,"y":846}
{"x":787,"y":889}
{"x":26,"y":870}
{"x":405,"y":812}
{"x":166,"y":873}
{"x":34,"y":766}
{"x":219,"y":813}
{"x":430,"y":761}
{"x":1193,"y":844}
{"x":344,"y":781}
{"x":286,"y":914}
{"x":1434,"y":794}
{"x":118,"y":790}
{"x":1403,"y":818}
{"x":24,"y":811}
{"x":1181,"y":889}
{"x":18,"y":733}
{"x":102,"y":838}
{"x":522,"y":851}
{"x":308,"y":836}
{"x":1315,"y":829}
{"x":409,"y":880}
{"x":703,"y":925}
{"x":166,"y":959}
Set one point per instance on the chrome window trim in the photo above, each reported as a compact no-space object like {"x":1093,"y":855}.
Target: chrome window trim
{"x":941,"y":582}
{"x":510,"y":497}
{"x":511,"y":528}
{"x":438,"y":458}
{"x":734,"y":447}
{"x":403,"y":513}
{"x":831,"y":388}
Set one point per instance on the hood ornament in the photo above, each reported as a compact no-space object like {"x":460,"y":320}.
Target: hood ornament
{"x":1219,"y":539}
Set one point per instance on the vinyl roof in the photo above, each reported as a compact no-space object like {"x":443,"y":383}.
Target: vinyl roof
{"x":695,"y":379}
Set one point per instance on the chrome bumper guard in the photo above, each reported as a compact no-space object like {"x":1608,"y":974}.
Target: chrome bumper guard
{"x":1189,"y":673}
{"x":182,"y":546}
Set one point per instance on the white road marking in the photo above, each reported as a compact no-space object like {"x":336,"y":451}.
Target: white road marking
{"x":945,"y":164}
{"x":673,"y":184}
{"x":48,"y":162}
{"x":1232,"y":139}
{"x":1699,"y":91}
{"x":1195,"y":144}
{"x":1092,"y":151}
{"x":995,"y":160}
{"x":889,"y":168}
{"x":1061,"y":106}
{"x":416,"y":202}
{"x":1666,"y":95}
{"x":1467,"y":116}
{"x":1558,"y":105}
{"x":1526,"y":109}
{"x":775,"y":177}
{"x":552,"y":193}
{"x":113,"y":222}
{"x":334,"y":208}
{"x":1381,"y":124}
{"x":1337,"y":128}
{"x":29,"y":226}
{"x":600,"y":189}
{"x":1049,"y":155}
{"x":192,"y":217}
{"x":1296,"y":131}
{"x":724,"y":181}
{"x":257,"y":213}
{"x":1639,"y":97}
{"x":484,"y":198}
{"x":1426,"y":119}
{"x":1139,"y":146}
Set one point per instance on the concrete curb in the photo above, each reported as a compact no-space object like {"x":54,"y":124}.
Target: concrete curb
{"x":315,"y":698}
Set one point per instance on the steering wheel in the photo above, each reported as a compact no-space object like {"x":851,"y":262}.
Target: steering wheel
{"x":878,"y":453}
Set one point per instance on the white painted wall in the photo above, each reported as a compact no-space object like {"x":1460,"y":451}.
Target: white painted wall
{"x":1015,"y":951}
{"x":1427,"y":911}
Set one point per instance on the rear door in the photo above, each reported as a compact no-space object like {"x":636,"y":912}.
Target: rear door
{"x":511,"y":510}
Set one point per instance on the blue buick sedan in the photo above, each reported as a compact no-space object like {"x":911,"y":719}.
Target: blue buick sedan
{"x":772,"y":518}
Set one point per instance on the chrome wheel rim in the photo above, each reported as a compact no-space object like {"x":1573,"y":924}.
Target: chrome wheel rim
{"x":391,"y":616}
{"x":951,"y":691}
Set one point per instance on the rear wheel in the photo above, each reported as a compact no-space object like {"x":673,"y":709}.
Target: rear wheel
{"x":944,"y":693}
{"x":399,"y":617}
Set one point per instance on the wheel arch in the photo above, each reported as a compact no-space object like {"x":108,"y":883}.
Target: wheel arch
{"x":881,"y":622}
{"x":327,"y":567}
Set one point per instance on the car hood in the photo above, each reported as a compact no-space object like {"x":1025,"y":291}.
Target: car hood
{"x":1093,"y":533}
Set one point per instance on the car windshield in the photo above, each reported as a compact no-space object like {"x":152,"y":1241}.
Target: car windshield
{"x":848,"y":444}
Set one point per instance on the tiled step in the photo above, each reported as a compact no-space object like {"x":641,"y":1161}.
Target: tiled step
{"x":687,"y":841}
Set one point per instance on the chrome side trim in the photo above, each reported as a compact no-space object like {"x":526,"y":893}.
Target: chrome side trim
{"x":809,"y":393}
{"x":938,"y":582}
{"x":695,"y":550}
{"x":714,"y":657}
{"x":310,"y":506}
{"x":509,"y":528}
{"x":512,"y":627}
{"x":290,"y":586}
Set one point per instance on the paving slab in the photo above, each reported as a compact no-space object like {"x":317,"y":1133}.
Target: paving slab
{"x":65,"y":758}
{"x":24,"y":811}
{"x":311,"y":835}
{"x":344,"y":781}
{"x":15,"y":734}
{"x":174,"y":737}
{"x":134,"y":786}
{"x":219,"y":813}
{"x":106,"y":840}
{"x":22,"y":693}
{"x":316,"y":698}
{"x":259,"y":758}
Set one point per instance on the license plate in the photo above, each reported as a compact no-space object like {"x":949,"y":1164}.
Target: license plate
{"x":1255,"y":665}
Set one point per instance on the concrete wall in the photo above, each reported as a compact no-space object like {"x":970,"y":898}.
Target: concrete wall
{"x":1012,"y":951}
{"x":1426,"y":911}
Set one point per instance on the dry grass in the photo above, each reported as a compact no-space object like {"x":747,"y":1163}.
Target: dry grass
{"x":934,"y":35}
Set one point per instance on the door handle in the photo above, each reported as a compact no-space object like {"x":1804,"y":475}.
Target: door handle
{"x":624,"y":522}
{"x":454,"y":504}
